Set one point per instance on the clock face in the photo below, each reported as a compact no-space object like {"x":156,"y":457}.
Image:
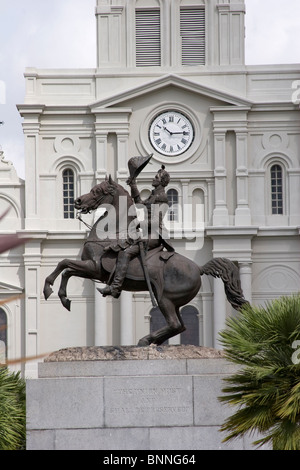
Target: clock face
{"x":171,"y":133}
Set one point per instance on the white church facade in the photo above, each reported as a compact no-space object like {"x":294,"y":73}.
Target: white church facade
{"x":235,"y":186}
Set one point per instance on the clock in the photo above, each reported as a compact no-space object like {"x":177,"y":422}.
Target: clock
{"x":171,"y":133}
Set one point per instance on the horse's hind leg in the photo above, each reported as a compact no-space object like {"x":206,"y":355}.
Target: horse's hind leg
{"x":62,"y":292}
{"x":174,"y":325}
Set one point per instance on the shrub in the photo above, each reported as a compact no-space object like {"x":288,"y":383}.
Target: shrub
{"x":12,"y":411}
{"x":267,"y":388}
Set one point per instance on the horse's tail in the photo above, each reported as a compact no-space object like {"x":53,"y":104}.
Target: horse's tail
{"x":229,"y":273}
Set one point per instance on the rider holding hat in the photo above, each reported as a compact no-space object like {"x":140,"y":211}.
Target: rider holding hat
{"x":155,"y":233}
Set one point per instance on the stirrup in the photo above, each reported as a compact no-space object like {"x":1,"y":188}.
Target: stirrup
{"x":107,"y":290}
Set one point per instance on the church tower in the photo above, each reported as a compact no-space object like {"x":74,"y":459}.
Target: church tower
{"x":169,"y":35}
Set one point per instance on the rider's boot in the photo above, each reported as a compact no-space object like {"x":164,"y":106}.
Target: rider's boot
{"x":115,"y":288}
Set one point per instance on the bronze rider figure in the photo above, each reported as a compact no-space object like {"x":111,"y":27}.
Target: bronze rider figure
{"x":156,"y":206}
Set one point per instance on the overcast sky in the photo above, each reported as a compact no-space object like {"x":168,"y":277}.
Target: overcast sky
{"x":62,"y":34}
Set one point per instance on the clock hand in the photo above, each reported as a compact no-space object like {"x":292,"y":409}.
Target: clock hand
{"x":165,"y":129}
{"x":183,"y":132}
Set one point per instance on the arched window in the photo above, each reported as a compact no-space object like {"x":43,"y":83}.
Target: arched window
{"x":3,"y":336}
{"x":68,"y":193}
{"x":172,"y":195}
{"x":190,"y":319}
{"x":277,"y":189}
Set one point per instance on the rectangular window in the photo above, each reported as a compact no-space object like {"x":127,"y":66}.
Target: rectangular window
{"x":148,"y":47}
{"x":192,"y":31}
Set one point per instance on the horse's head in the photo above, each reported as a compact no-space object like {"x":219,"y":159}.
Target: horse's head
{"x":101,"y":194}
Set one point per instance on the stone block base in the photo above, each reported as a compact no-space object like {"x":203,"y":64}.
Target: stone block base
{"x":156,"y":398}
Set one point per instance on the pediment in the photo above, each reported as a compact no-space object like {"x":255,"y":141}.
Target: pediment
{"x":224,"y":97}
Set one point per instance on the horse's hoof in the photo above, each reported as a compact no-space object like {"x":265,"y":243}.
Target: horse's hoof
{"x":143,"y":342}
{"x":66,"y":303}
{"x":47,"y":292}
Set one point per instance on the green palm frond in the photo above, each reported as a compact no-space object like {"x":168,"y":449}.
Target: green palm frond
{"x":12,"y":411}
{"x":266,"y":390}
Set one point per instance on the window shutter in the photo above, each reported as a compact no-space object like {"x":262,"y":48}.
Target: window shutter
{"x":148,"y":49}
{"x":192,"y":30}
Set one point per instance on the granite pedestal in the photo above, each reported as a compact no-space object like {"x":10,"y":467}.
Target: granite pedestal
{"x":163,"y":398}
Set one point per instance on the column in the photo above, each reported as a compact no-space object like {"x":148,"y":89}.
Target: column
{"x":246,"y":279}
{"x":32,"y":263}
{"x":219,"y":310}
{"x":100,"y":318}
{"x":220,"y":215}
{"x":127,"y":326}
{"x":242,"y":212}
{"x":207,"y":320}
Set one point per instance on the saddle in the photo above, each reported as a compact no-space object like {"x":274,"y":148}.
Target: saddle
{"x":155,"y":260}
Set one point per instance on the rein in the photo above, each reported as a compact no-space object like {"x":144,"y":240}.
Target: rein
{"x":81,"y":220}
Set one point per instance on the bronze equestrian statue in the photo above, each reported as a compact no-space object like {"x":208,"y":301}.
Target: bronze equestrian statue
{"x":131,"y":259}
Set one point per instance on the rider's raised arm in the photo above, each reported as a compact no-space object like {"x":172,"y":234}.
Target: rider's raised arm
{"x":135,"y":194}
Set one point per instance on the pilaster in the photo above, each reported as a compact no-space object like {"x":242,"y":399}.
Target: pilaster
{"x":245,"y":268}
{"x":231,"y":32}
{"x":220,"y":214}
{"x":111,"y":50}
{"x":242,"y":212}
{"x":31,"y":128}
{"x":32,"y":265}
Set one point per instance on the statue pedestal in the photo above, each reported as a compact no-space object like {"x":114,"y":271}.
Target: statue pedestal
{"x":129,"y":398}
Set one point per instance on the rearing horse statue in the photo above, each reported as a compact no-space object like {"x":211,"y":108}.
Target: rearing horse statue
{"x":175,"y":279}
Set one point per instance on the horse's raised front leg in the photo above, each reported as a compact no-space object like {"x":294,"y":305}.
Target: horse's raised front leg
{"x":67,"y":273}
{"x":78,"y":266}
{"x":49,"y":281}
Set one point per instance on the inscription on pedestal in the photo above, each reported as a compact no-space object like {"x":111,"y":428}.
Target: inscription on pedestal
{"x":154,"y":401}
